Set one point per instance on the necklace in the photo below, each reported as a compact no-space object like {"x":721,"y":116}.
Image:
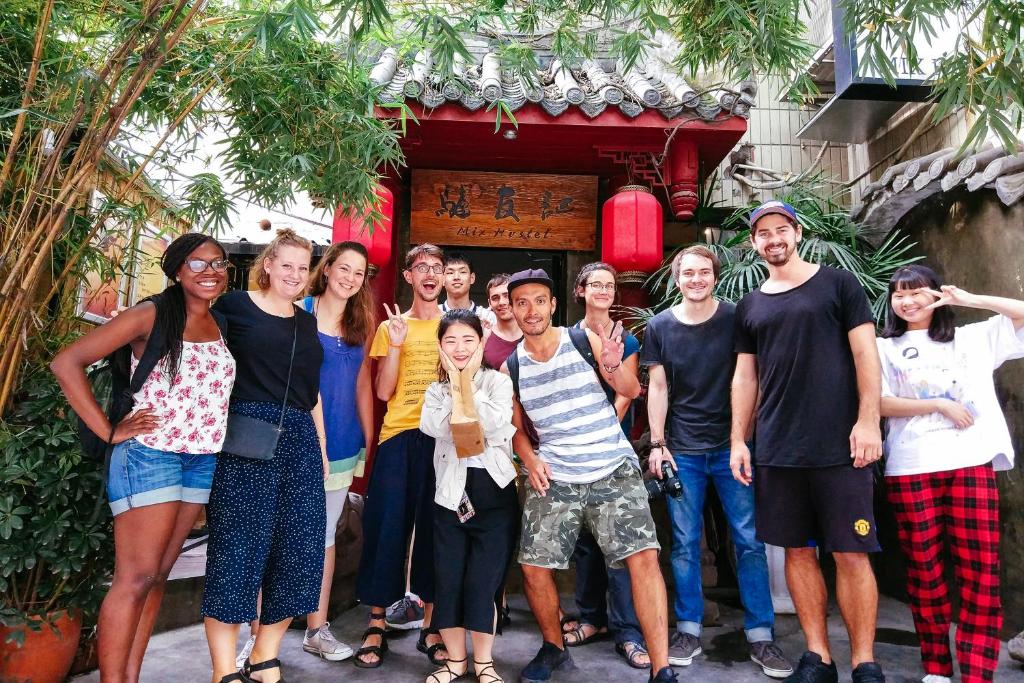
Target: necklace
{"x":316,"y":308}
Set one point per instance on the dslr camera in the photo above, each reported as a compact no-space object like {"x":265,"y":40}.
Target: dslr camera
{"x":668,"y":484}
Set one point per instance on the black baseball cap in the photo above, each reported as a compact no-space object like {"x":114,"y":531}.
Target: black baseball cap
{"x":528,"y":277}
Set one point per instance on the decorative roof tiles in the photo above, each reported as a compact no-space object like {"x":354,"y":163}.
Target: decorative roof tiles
{"x":592,"y":86}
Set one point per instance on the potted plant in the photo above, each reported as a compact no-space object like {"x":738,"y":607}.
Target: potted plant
{"x":56,"y":550}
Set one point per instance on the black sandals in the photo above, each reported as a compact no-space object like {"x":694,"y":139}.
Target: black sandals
{"x":485,"y":676}
{"x":446,"y":670}
{"x":249,"y":668}
{"x":431,"y":650}
{"x":378,"y":650}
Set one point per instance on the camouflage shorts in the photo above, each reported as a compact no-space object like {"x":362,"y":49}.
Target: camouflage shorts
{"x":615,"y":508}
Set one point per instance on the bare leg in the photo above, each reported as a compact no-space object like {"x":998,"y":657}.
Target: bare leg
{"x":857,"y":594}
{"x":187,"y":515}
{"x":542,"y":594}
{"x":483,"y":652}
{"x":141,"y":537}
{"x":222,"y":640}
{"x":651,"y":601}
{"x":268,"y":646}
{"x":807,"y":586}
{"x":457,"y":662}
{"x":319,"y":617}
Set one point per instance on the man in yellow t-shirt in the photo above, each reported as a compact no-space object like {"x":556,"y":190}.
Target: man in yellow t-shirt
{"x":400,"y":496}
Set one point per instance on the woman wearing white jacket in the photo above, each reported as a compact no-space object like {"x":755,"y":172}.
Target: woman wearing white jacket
{"x":469,"y":414}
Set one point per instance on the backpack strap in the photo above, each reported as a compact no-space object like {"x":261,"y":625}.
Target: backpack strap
{"x":512,"y":363}
{"x":579,"y":339}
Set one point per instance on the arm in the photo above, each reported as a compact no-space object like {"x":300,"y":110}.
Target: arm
{"x":131,"y":327}
{"x":364,"y":397}
{"x":866,"y":436}
{"x":622,"y":403}
{"x":744,"y":397}
{"x":608,"y":352}
{"x":387,"y":374}
{"x":657,"y":411}
{"x":436,"y":415}
{"x":321,"y":433}
{"x":539,"y":471}
{"x":495,"y":408}
{"x":954,"y":296}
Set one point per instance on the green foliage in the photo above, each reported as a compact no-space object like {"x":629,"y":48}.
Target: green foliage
{"x":56,"y":545}
{"x":981,"y":71}
{"x":829,"y":238}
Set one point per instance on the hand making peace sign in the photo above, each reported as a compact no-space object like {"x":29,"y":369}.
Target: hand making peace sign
{"x":951,"y":295}
{"x":398,"y":327}
{"x":612,"y":345}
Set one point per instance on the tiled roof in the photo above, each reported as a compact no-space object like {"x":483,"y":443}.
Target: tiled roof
{"x":592,"y":86}
{"x":903,"y":186}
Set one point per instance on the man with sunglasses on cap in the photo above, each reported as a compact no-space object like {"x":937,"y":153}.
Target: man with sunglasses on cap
{"x":805,"y":341}
{"x":582,"y":472}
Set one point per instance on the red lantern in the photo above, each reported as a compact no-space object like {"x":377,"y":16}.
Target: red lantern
{"x":350,"y":225}
{"x":631,"y":237}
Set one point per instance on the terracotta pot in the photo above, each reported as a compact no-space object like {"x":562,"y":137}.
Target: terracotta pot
{"x":45,"y":656}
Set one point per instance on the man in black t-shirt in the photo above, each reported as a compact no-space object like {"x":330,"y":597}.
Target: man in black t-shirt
{"x":806,"y":342}
{"x":689,"y":352}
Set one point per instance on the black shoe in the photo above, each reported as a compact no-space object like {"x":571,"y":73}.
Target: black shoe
{"x":812,"y":670}
{"x":666,"y":675}
{"x":868,"y":672}
{"x":547,"y":661}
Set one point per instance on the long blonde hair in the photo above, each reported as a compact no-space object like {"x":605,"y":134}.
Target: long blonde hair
{"x":357,"y":320}
{"x":286,"y":237}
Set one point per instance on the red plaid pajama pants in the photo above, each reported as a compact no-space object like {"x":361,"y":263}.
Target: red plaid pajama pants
{"x":961,"y":508}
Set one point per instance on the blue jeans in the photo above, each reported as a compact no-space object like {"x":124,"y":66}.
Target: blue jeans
{"x":687,"y":514}
{"x":595,"y":581}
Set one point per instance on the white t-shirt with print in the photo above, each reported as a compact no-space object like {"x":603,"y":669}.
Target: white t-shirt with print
{"x":914,"y":366}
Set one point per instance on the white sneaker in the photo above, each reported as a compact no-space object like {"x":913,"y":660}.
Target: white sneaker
{"x":934,"y":678}
{"x":246,"y":651}
{"x":323,"y":644}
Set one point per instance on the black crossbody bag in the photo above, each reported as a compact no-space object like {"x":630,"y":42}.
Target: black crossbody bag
{"x":248,"y":437}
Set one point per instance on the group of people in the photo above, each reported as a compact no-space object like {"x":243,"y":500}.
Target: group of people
{"x":506,"y":437}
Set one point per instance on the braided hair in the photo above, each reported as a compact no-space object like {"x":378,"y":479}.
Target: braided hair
{"x":170,"y":303}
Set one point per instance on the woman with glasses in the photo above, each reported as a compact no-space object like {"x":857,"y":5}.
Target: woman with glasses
{"x":162,"y":465}
{"x":604,"y":597}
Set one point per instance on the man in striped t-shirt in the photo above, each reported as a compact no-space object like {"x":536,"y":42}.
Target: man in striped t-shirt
{"x":583,"y":472}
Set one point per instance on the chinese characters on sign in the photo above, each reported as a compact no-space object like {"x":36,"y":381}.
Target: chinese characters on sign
{"x":504,"y":210}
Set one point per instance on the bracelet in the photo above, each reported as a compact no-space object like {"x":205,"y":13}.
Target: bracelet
{"x":612,"y":369}
{"x":395,"y":346}
{"x":657,"y":444}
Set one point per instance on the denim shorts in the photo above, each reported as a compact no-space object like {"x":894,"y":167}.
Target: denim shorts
{"x":140,"y":475}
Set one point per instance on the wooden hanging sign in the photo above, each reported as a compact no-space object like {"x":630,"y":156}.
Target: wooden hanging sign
{"x":504,"y":210}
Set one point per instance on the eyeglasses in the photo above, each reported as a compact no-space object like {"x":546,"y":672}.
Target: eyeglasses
{"x":198,"y":265}
{"x":602,"y":286}
{"x":424,"y":268}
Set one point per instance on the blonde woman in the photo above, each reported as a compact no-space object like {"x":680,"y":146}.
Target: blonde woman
{"x":266,"y":517}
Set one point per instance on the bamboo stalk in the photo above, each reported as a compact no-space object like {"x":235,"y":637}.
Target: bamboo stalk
{"x":30,"y":84}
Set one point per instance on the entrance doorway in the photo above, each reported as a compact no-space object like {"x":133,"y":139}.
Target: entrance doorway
{"x":486,"y":262}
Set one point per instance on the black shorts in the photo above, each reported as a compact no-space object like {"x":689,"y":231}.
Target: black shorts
{"x":833,"y":507}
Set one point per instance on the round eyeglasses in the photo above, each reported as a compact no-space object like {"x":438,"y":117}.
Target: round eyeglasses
{"x":424,"y":268}
{"x":198,"y":265}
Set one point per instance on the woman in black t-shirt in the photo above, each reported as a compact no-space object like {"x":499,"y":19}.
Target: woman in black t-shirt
{"x":267,"y":517}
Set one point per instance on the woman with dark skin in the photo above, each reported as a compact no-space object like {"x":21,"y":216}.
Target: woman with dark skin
{"x":154,"y":517}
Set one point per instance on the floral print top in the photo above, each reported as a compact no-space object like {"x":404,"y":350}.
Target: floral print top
{"x":193,"y":409}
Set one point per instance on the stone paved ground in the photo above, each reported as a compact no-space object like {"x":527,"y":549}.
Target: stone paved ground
{"x":181,"y":655}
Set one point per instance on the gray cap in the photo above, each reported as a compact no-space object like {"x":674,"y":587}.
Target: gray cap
{"x":530,"y":276}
